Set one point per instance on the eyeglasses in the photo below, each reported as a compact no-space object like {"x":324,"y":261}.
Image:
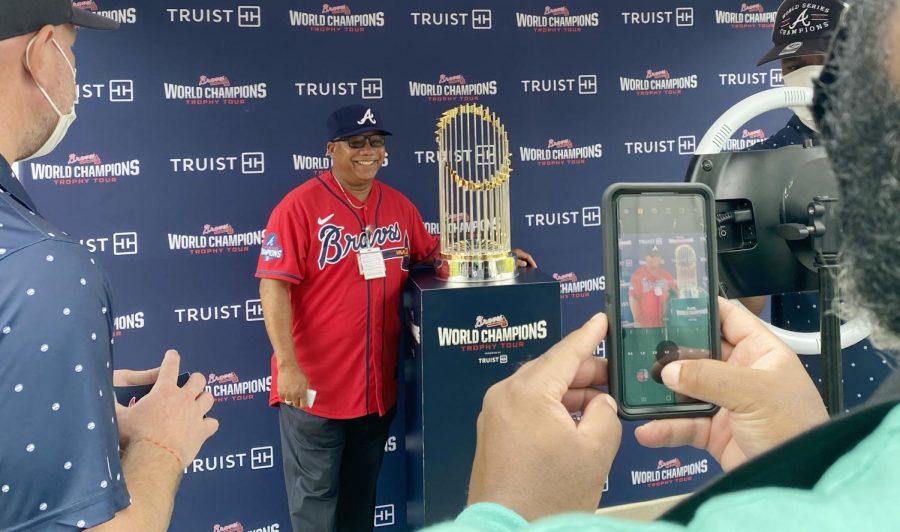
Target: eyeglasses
{"x":358,"y":141}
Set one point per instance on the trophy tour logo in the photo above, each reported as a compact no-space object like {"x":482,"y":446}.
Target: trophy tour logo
{"x":669,"y":472}
{"x":122,"y":15}
{"x":750,"y":16}
{"x":560,"y":152}
{"x":215,"y":90}
{"x":216,"y":239}
{"x":571,"y":287}
{"x":336,"y":18}
{"x":228,"y":387}
{"x":85,"y":168}
{"x":657,"y":82}
{"x":453,"y":88}
{"x":557,"y":20}
{"x":490,"y":333}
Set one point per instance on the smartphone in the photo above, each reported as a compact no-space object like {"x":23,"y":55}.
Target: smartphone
{"x":660,"y":258}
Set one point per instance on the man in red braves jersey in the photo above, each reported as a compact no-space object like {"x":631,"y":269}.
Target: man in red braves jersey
{"x":333,"y":264}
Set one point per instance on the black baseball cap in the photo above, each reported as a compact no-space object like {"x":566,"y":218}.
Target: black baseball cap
{"x":19,"y":17}
{"x":653,"y":252}
{"x":803,"y":27}
{"x":353,"y":120}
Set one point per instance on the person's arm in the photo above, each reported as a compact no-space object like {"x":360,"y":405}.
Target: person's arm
{"x":633,"y":305}
{"x":276,"y":304}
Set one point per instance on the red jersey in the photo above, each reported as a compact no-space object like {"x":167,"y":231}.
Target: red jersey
{"x":651,"y":291}
{"x":346,"y":330}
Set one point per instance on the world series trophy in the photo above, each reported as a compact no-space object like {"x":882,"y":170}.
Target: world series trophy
{"x":474,"y":321}
{"x":474,"y":196}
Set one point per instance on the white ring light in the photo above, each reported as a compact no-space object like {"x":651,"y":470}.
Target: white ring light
{"x":714,"y":141}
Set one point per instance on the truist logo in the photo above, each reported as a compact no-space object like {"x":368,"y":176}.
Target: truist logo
{"x":683,"y":145}
{"x":224,"y":229}
{"x":748,"y":17}
{"x":216,"y":239}
{"x":217,"y":81}
{"x":669,"y":472}
{"x":747,"y":138}
{"x":477,"y":19}
{"x":565,"y":143}
{"x":804,"y":18}
{"x":557,"y":19}
{"x":85,"y":159}
{"x":336,"y":244}
{"x":656,"y":82}
{"x":366,"y":88}
{"x":668,"y":464}
{"x":496,"y":321}
{"x":85,"y":169}
{"x":570,"y":287}
{"x":560,"y":152}
{"x":773,"y":78}
{"x":245,"y":16}
{"x":453,"y":88}
{"x":681,"y":17}
{"x":228,"y":377}
{"x":215,"y":90}
{"x":458,"y":79}
{"x":333,"y":18}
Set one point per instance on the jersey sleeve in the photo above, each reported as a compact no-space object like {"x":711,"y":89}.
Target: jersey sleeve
{"x":422,"y":244}
{"x":285,"y":246}
{"x":634,"y":289}
{"x":60,"y":467}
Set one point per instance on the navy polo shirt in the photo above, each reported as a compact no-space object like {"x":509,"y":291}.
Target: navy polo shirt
{"x":793,"y":133}
{"x":59,"y":452}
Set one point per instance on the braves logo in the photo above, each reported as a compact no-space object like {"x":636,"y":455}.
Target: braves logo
{"x":668,"y":464}
{"x":458,"y":79}
{"x":659,"y":74}
{"x":93,"y":159}
{"x":336,"y":245}
{"x":368,"y":117}
{"x":562,"y":11}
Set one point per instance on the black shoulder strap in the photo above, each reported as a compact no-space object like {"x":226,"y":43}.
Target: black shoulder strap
{"x":800,"y":462}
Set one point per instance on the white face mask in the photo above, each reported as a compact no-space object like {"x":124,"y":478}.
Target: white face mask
{"x":64,"y":121}
{"x":804,"y":78}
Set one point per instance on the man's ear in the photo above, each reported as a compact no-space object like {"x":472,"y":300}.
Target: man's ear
{"x":35,"y":59}
{"x":329,"y":149}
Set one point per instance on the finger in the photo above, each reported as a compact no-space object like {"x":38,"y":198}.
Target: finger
{"x":714,"y":381}
{"x":211,"y":425}
{"x":521,"y":263}
{"x":591,"y":372}
{"x":205,"y":402}
{"x":600,"y":421}
{"x":556,"y":368}
{"x":196,"y":384}
{"x":128,"y":377}
{"x":675,"y":433}
{"x":168,"y":370}
{"x":576,"y":400}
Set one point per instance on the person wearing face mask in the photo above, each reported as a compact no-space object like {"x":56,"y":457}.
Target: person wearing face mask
{"x":67,"y":449}
{"x":335,"y":258}
{"x":788,"y":467}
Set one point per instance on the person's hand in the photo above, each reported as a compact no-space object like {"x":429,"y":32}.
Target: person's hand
{"x":292,"y":385}
{"x":524,"y":259}
{"x":531,"y":456}
{"x":170,"y":416}
{"x":128,"y":377}
{"x":765,"y":395}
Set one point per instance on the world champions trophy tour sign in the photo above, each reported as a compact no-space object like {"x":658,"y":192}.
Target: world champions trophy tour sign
{"x":474,"y":196}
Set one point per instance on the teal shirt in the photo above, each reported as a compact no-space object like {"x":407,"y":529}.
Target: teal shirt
{"x":859,"y":492}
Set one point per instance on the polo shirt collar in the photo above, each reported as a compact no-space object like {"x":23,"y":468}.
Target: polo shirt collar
{"x":11,"y":184}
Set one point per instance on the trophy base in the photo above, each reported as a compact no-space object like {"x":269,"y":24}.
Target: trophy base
{"x":477,"y":269}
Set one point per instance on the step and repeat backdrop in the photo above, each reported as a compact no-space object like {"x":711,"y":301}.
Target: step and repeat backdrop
{"x":198,"y":116}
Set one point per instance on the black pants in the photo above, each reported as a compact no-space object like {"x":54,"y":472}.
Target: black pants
{"x":331,"y":469}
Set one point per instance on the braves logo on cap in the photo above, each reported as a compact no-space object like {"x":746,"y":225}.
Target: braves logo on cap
{"x":368,"y":117}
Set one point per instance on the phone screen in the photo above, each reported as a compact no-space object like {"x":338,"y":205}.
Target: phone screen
{"x":664,"y":291}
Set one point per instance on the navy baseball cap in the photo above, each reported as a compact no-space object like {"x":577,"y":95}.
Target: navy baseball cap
{"x":19,"y":17}
{"x":804,"y":27}
{"x":353,"y":120}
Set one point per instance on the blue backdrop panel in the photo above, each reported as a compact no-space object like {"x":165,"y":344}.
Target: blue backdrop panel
{"x":198,"y":116}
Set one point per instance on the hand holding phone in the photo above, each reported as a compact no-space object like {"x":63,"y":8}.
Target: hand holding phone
{"x":659,"y":253}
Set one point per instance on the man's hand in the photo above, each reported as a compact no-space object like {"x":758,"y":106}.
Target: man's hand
{"x":169,"y":416}
{"x":531,"y":456}
{"x":765,"y":395}
{"x":292,"y":384}
{"x":524,"y":259}
{"x":127,"y":377}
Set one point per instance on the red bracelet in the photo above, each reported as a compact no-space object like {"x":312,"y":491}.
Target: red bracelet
{"x":165,"y":448}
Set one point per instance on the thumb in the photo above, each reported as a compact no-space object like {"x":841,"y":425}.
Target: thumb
{"x":600,"y":422}
{"x":714,"y":381}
